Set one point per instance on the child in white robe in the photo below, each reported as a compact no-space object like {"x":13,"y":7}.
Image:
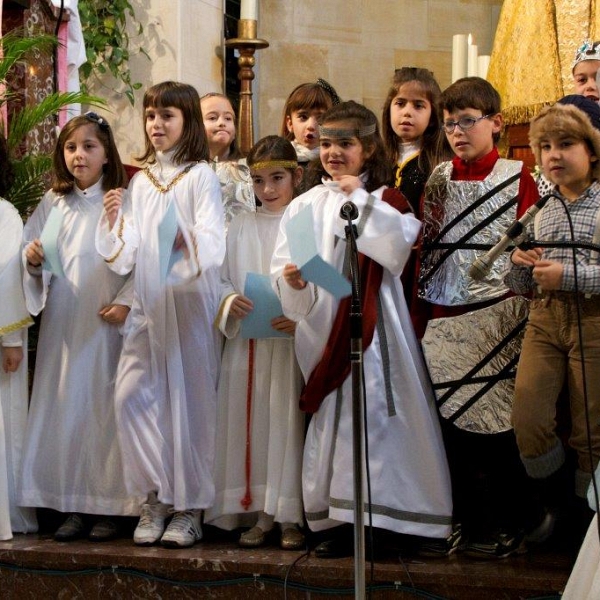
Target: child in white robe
{"x":410,"y":483}
{"x":172,"y":232}
{"x":14,"y":320}
{"x":71,"y":458}
{"x":259,"y":483}
{"x":225,"y":157}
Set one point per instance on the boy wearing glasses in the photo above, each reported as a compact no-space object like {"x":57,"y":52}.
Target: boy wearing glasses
{"x":472,"y":339}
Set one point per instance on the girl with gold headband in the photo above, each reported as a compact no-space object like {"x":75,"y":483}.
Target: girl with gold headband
{"x":258,"y":483}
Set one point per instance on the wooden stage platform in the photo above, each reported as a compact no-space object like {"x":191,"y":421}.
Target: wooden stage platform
{"x":37,"y":567}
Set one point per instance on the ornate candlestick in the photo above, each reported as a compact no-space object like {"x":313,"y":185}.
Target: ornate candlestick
{"x":246,"y":43}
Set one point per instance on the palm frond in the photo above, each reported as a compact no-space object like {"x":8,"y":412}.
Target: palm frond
{"x":30,"y":181}
{"x":16,"y":48}
{"x":30,"y":117}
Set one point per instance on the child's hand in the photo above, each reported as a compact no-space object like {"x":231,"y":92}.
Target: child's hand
{"x":284,"y":325}
{"x":349,"y":183}
{"x":11,"y":358}
{"x":34,"y":253}
{"x":113,"y":200}
{"x":548,"y":274}
{"x":241,"y":307}
{"x":526,"y":258}
{"x":115,"y":314}
{"x":293,"y":277}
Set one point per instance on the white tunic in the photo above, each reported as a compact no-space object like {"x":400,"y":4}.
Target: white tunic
{"x":276,"y":422}
{"x":584,"y":581}
{"x":14,"y":321}
{"x":72,"y":461}
{"x":166,"y":385}
{"x":407,"y":464}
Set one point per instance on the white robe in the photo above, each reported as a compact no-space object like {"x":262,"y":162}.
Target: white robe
{"x":14,"y":321}
{"x":72,"y":461}
{"x":277,"y":424}
{"x":166,"y":387}
{"x":584,"y":581}
{"x":407,"y":463}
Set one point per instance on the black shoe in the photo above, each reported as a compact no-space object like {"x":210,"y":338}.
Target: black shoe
{"x":103,"y":531}
{"x":442,"y":547}
{"x":337,"y":547}
{"x":500,"y":545}
{"x":72,"y":529}
{"x":544,"y":529}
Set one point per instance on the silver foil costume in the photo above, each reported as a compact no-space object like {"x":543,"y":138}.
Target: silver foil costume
{"x":471,"y":358}
{"x":459,"y":231}
{"x":472,"y":361}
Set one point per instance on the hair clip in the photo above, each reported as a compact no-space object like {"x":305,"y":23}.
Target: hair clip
{"x":329,"y":89}
{"x":96,"y":118}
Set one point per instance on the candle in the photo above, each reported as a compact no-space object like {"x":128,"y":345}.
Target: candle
{"x":459,"y":56}
{"x":483,"y":64}
{"x":471,"y":58}
{"x":249,"y":10}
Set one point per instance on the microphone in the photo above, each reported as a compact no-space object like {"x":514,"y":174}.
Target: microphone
{"x":349,"y":211}
{"x":482,"y":266}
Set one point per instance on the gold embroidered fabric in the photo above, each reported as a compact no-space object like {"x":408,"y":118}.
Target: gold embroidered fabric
{"x":533,"y":51}
{"x":163,"y":189}
{"x":26,"y":322}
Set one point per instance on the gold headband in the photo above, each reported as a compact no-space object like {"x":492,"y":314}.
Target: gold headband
{"x":273,"y":164}
{"x":347,"y":133}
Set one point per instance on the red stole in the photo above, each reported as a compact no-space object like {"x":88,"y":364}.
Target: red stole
{"x":334,"y":366}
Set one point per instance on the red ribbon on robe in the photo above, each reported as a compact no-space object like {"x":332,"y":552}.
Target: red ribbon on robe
{"x":334,"y":366}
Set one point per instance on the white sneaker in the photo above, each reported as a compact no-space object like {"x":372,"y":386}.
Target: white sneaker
{"x":183,"y":531}
{"x":151,"y":525}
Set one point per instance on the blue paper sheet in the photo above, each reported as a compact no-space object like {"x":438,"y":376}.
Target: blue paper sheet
{"x":49,"y":240}
{"x":303,"y":251}
{"x":266,"y":307}
{"x":167,"y":231}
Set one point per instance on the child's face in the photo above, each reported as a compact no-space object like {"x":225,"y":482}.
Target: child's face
{"x":274,"y":186}
{"x":342,"y":155}
{"x":477,"y":141}
{"x":164,"y":127}
{"x":303,"y":124}
{"x":584,"y":76}
{"x":567,"y":162}
{"x":85,"y":156}
{"x":219,"y":122}
{"x":410,"y":112}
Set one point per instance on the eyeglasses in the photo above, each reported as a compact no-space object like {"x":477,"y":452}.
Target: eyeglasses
{"x":465,"y":123}
{"x":96,"y":118}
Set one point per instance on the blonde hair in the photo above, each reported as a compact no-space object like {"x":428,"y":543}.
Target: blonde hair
{"x":564,"y":120}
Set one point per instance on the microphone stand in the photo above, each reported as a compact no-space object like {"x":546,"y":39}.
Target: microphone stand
{"x":358,"y":451}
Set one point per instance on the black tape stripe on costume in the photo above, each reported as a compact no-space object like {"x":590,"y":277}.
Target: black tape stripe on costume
{"x":504,"y":373}
{"x":468,"y":378}
{"x":459,"y":244}
{"x":475,"y":205}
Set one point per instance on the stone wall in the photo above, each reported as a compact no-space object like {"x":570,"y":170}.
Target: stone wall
{"x":357,"y":44}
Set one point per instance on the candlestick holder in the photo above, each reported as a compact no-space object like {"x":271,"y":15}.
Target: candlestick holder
{"x":246,"y":43}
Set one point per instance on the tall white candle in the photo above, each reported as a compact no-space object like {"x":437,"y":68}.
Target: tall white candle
{"x":472,"y":59}
{"x":483,"y":64}
{"x":459,"y":56}
{"x":249,"y":10}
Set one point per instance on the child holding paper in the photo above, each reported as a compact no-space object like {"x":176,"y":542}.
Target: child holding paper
{"x":166,"y":388}
{"x":259,"y":483}
{"x":71,"y":458}
{"x":409,"y":477}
